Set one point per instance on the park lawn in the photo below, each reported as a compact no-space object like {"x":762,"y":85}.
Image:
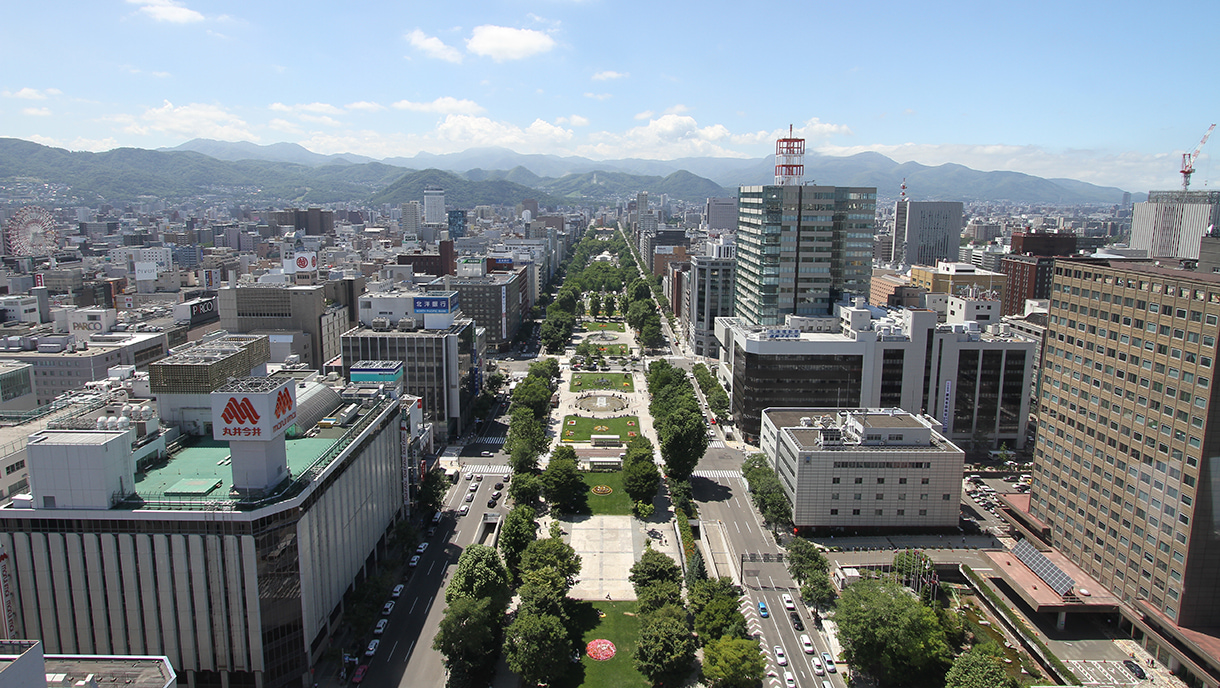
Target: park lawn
{"x":590,"y":381}
{"x":620,"y":626}
{"x":617,"y":503}
{"x":583,"y":428}
{"x":594,"y":326}
{"x":612,"y":349}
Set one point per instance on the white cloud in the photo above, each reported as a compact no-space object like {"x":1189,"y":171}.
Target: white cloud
{"x":321,"y":119}
{"x":167,"y":11}
{"x":77,"y":144}
{"x":364,"y":106}
{"x":813,"y":129}
{"x":676,"y":109}
{"x":445,"y":105}
{"x":433,"y":47}
{"x":502,"y":43}
{"x":196,"y":120}
{"x":37,"y":112}
{"x":161,"y":75}
{"x":455,"y":132}
{"x":599,"y":96}
{"x":32,"y":93}
{"x":647,"y":114}
{"x":574,"y":120}
{"x":608,"y":75}
{"x":666,"y":137}
{"x":318,"y":108}
{"x":279,"y":107}
{"x":285,"y":126}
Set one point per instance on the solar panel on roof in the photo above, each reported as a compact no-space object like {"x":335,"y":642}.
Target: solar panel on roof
{"x":1050,"y":574}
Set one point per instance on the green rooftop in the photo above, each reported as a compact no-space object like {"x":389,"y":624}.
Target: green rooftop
{"x":203,"y":471}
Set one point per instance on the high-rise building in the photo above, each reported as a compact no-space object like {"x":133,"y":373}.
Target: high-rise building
{"x":1171,"y":223}
{"x":709,"y":295}
{"x":958,"y":278}
{"x":412,"y":217}
{"x":926,"y":231}
{"x":720,"y":214}
{"x":802,"y":249}
{"x":1128,"y":430}
{"x":296,"y":313}
{"x":434,"y":205}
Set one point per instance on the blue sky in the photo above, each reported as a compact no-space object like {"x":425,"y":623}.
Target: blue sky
{"x":1110,"y":93}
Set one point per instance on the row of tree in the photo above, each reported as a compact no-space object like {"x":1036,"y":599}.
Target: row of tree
{"x":676,"y":418}
{"x":717,"y":398}
{"x":766,"y":492}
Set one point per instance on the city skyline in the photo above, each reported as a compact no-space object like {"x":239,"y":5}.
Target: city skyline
{"x":1040,"y":89}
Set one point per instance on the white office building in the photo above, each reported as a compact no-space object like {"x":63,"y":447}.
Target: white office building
{"x":434,"y":206}
{"x":864,"y":469}
{"x":926,"y":231}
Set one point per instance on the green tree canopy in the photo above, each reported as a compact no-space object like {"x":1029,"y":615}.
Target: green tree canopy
{"x":468,"y":639}
{"x":805,"y":560}
{"x":534,"y":393}
{"x":431,"y":493}
{"x":657,"y":594}
{"x":704,"y":591}
{"x":981,"y":667}
{"x":666,"y":648}
{"x":536,"y":648}
{"x":654,"y":566}
{"x":640,"y":476}
{"x":891,"y":635}
{"x":718,"y":618}
{"x":595,"y":304}
{"x":519,"y":530}
{"x":547,"y":369}
{"x":561,"y":483}
{"x":552,"y":553}
{"x":683,"y":443}
{"x":733,"y":663}
{"x":525,"y":489}
{"x":479,"y":573}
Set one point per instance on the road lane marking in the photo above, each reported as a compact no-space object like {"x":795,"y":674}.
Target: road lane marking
{"x":413,"y":603}
{"x":391,"y":656}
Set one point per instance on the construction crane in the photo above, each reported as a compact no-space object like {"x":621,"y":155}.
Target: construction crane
{"x":1188,"y":160}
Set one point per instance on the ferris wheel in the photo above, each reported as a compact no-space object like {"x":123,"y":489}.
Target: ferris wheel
{"x":31,"y":232}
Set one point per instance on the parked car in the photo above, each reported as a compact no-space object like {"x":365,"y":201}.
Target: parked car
{"x":423,"y":547}
{"x":464,"y":510}
{"x":829,"y":662}
{"x":789,"y":680}
{"x":387,"y":608}
{"x":491,"y":504}
{"x":414,"y":561}
{"x":817,"y":667}
{"x":361,"y":670}
{"x":486,"y":453}
{"x":372,"y":648}
{"x":397,"y":591}
{"x":470,"y":496}
{"x":1134,"y":668}
{"x":806,"y":644}
{"x":796,"y":621}
{"x":380,"y":627}
{"x":431,"y":531}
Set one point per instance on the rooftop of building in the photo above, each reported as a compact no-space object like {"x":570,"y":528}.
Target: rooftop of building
{"x":1151,"y":268}
{"x":1085,"y":594}
{"x":806,"y":427}
{"x":364,"y":331}
{"x":127,"y":671}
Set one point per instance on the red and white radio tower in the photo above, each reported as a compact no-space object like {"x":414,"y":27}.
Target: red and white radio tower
{"x":789,"y":160}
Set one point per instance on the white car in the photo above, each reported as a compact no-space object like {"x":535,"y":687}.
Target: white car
{"x":372,"y":648}
{"x":474,"y":487}
{"x":788,"y":604}
{"x":817,"y":667}
{"x":397,"y":591}
{"x":380,"y":627}
{"x":423,"y":547}
{"x":414,"y":561}
{"x":806,"y":644}
{"x":780,"y":658}
{"x":464,"y":510}
{"x":789,"y":680}
{"x":830,"y":663}
{"x":387,"y":609}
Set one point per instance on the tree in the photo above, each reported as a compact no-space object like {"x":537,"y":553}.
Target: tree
{"x":657,"y":594}
{"x":561,"y":483}
{"x":805,"y":560}
{"x":703,"y":592}
{"x":818,"y":590}
{"x":534,"y":393}
{"x":719,"y":618}
{"x":979,"y":668}
{"x":547,"y":369}
{"x":639,"y":291}
{"x":479,"y":573}
{"x":890,"y":634}
{"x":637,"y":313}
{"x":525,"y":489}
{"x":640,"y":477}
{"x":666,"y":647}
{"x":696,"y":570}
{"x":552,"y":553}
{"x":432,"y":491}
{"x":680,"y":493}
{"x":522,"y":458}
{"x":608,"y":305}
{"x":766,"y":492}
{"x":654,"y":566}
{"x":650,"y":332}
{"x":517,"y":533}
{"x":536,"y":648}
{"x":468,"y":638}
{"x":733,"y":663}
{"x":544,"y":591}
{"x":683,"y":443}
{"x":595,"y":305}
{"x":495,"y":381}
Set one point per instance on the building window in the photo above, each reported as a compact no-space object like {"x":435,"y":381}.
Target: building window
{"x":902,"y":481}
{"x":855,"y":512}
{"x":880,"y":496}
{"x":834,"y":481}
{"x":923,"y":512}
{"x":834,"y":512}
{"x":902,"y":512}
{"x":923,"y":481}
{"x":880,"y":481}
{"x":859,"y":481}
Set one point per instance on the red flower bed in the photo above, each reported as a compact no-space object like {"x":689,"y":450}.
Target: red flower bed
{"x":600,"y":649}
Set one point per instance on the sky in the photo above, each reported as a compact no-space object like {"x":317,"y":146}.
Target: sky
{"x":1110,"y":93}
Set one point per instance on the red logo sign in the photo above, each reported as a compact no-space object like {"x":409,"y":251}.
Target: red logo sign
{"x":239,"y":412}
{"x":283,"y":402}
{"x":313,"y":261}
{"x":302,"y":262}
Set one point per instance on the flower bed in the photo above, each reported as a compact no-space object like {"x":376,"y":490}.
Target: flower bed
{"x":600,"y":649}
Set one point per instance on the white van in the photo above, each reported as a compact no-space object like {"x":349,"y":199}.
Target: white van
{"x":436,"y":518}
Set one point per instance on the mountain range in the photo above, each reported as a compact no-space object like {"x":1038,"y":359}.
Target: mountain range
{"x":290,"y":174}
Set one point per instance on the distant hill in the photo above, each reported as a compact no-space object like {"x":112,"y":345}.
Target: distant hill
{"x":128,"y":174}
{"x":459,"y":192}
{"x":603,"y":185}
{"x":275,"y":152}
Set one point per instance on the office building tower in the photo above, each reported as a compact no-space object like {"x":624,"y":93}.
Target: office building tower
{"x":412,"y":217}
{"x":802,"y":249}
{"x":871,"y":469}
{"x":434,"y":205}
{"x":1124,"y":467}
{"x":926,"y":231}
{"x":720,"y":214}
{"x":1171,"y":223}
{"x":299,"y":317}
{"x":457,"y":223}
{"x":709,"y":295}
{"x":958,"y":279}
{"x":971,"y":376}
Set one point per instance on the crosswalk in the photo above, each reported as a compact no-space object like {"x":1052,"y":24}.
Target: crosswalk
{"x":717,"y":474}
{"x":1101,"y":673}
{"x":490,"y":440}
{"x":716,"y":444}
{"x":485,"y":470}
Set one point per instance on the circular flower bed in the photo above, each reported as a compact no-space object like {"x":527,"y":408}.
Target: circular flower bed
{"x":600,"y":649}
{"x":601,"y":428}
{"x":601,"y":489}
